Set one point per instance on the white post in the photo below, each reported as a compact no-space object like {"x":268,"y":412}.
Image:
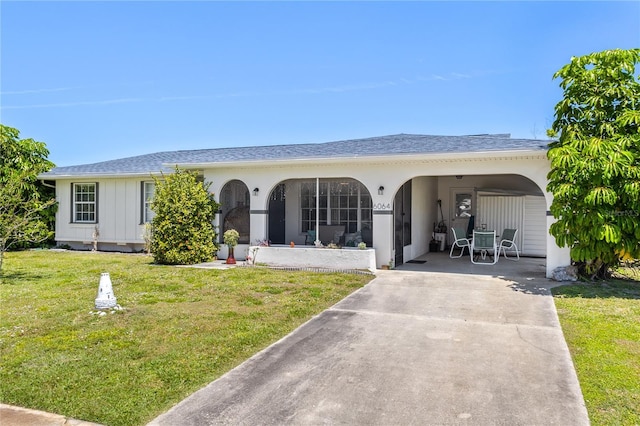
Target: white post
{"x":317,"y":242}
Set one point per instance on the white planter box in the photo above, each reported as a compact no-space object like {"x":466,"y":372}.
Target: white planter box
{"x":314,"y":257}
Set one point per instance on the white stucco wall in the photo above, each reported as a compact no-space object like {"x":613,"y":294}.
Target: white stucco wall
{"x":424,"y":207}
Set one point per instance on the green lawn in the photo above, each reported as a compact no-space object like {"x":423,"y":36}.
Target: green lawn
{"x":180,"y":329}
{"x":601,"y":324}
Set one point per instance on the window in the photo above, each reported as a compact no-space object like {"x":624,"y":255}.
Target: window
{"x":463,"y":205}
{"x":148,"y":191}
{"x":342,"y":202}
{"x":85,"y":202}
{"x":308,"y":204}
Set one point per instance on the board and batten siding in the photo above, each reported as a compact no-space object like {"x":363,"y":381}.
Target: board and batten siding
{"x":535,"y":226}
{"x":119,"y":210}
{"x":527,"y":214}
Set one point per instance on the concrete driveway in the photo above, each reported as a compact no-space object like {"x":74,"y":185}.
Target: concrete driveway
{"x":419,"y":348}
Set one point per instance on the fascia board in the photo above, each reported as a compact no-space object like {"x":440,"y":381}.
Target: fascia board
{"x":99,"y":175}
{"x":444,"y":156}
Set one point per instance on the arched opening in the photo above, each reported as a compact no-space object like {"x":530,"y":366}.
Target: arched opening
{"x":234,"y":210}
{"x":340,"y":209}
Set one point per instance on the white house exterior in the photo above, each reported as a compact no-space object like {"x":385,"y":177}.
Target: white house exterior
{"x":387,"y":191}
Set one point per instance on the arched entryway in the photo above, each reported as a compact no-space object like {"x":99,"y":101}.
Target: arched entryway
{"x":340,"y":208}
{"x":426,"y":208}
{"x":234,"y":210}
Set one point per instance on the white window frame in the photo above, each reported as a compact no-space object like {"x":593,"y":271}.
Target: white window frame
{"x":86,"y":204}
{"x":147,"y":214}
{"x":331,"y":214}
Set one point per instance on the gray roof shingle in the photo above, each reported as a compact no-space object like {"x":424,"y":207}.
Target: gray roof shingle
{"x":401,"y":144}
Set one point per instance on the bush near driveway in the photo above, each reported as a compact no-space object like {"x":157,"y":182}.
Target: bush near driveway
{"x":179,"y":329}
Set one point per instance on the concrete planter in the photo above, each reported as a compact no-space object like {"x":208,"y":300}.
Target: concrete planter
{"x":314,"y":257}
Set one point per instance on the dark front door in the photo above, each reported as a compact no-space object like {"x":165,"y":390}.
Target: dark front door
{"x":402,"y":221}
{"x":277,"y":215}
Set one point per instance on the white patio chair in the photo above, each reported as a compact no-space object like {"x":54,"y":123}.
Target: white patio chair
{"x":459,"y":240}
{"x":507,"y":242}
{"x":483,"y":244}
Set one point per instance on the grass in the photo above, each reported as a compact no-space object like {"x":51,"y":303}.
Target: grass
{"x":180,"y":329}
{"x":601,"y":324}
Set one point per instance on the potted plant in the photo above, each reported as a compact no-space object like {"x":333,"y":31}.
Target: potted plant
{"x":231,"y":237}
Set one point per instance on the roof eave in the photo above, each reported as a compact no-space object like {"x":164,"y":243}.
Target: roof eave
{"x":99,"y":175}
{"x":439,"y":156}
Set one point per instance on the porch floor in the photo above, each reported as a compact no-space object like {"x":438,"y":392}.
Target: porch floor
{"x":526,"y":267}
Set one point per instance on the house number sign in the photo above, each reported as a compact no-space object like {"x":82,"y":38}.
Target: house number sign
{"x":382,"y":206}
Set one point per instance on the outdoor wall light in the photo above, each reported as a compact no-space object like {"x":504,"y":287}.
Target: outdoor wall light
{"x":255,"y":192}
{"x":381,"y":190}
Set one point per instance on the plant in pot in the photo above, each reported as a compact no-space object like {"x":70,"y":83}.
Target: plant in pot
{"x":231,"y":237}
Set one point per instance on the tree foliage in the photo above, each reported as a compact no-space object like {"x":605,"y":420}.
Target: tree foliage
{"x":595,"y":161}
{"x":182,"y":228}
{"x":27,"y":208}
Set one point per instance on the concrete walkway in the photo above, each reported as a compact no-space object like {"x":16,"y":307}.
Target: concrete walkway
{"x":411,"y":347}
{"x":17,"y":416}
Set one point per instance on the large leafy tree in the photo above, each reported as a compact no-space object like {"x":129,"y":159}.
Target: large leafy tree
{"x":27,"y":207}
{"x":182,"y":228}
{"x":595,"y":160}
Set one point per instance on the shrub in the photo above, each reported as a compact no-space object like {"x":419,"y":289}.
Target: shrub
{"x":231,"y":237}
{"x":183,"y":231}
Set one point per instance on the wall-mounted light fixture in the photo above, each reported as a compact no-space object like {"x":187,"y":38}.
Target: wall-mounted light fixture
{"x":381,"y":190}
{"x":458,"y":177}
{"x":255,"y":192}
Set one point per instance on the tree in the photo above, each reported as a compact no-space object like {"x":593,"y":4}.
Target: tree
{"x":182,"y":228}
{"x":20,"y":219}
{"x":27,"y":208}
{"x":595,"y":161}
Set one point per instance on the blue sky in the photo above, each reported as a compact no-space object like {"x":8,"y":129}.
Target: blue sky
{"x":103,"y":80}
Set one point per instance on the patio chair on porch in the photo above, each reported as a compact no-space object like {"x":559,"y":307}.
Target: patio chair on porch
{"x":507,"y":242}
{"x":459,"y":240}
{"x":310,"y":239}
{"x":483,"y":244}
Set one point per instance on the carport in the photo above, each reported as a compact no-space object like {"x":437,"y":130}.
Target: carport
{"x":494,"y":202}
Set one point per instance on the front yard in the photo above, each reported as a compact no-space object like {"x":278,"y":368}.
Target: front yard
{"x":601,"y":324}
{"x":180,"y":329}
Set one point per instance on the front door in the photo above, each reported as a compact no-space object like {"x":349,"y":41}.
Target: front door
{"x":402,"y":221}
{"x":277,"y":215}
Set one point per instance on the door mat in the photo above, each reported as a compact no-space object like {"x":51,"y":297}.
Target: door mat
{"x":417,"y":261}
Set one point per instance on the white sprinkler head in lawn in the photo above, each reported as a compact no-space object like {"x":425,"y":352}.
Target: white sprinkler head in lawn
{"x":105,"y":299}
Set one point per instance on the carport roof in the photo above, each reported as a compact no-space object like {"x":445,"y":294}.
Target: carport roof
{"x":392,"y":145}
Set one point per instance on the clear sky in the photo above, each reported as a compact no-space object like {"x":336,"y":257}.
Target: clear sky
{"x":102,"y":80}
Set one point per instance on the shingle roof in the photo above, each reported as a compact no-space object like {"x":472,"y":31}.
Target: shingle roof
{"x":392,"y":145}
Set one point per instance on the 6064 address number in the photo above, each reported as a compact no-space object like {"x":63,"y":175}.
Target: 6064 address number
{"x":382,"y":206}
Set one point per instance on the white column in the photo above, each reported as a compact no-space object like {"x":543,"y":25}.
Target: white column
{"x":556,"y":256}
{"x":258,"y":217}
{"x":317,"y":241}
{"x":383,"y":236}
